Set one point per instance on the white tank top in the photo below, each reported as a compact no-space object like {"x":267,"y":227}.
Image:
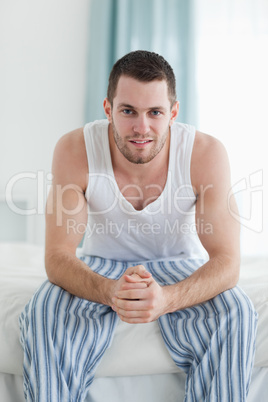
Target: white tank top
{"x":164,"y":229}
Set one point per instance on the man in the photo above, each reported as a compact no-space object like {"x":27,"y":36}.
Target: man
{"x":141,"y":188}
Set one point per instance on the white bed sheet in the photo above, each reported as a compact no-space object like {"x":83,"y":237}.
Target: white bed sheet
{"x":22,"y":271}
{"x":154,"y":388}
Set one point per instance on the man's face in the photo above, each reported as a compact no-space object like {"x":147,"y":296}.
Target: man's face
{"x":141,"y":116}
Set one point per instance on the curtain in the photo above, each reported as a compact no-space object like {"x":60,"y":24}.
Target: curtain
{"x":120,"y":26}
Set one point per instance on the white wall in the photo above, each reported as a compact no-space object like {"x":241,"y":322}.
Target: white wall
{"x":232,"y":65}
{"x":43,"y":52}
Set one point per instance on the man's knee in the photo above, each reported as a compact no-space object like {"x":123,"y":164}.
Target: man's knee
{"x":240,"y":309}
{"x":42,"y":304}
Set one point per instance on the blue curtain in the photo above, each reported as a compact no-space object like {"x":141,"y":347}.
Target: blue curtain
{"x":120,"y":26}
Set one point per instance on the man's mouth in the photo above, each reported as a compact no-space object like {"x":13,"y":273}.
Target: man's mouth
{"x":141,"y":141}
{"x":140,"y":144}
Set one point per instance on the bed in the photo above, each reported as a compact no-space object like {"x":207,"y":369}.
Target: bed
{"x":137,"y":366}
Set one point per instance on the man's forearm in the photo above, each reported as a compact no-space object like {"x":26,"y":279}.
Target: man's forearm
{"x":67,"y":271}
{"x":213,"y":278}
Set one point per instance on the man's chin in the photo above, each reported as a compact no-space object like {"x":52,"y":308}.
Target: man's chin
{"x":138,"y":160}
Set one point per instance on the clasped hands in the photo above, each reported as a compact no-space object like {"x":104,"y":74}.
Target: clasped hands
{"x":137,"y":297}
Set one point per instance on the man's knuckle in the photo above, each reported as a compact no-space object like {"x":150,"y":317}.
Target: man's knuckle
{"x":128,"y":305}
{"x":132,"y":294}
{"x":147,"y":315}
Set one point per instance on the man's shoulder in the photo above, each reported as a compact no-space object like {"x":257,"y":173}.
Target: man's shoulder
{"x":70,"y":158}
{"x":71,"y":141}
{"x":209,"y":158}
{"x":205,"y":140}
{"x":206,"y":146}
{"x":74,"y":141}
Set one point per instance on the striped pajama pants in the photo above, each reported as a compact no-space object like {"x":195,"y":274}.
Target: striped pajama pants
{"x":64,"y":338}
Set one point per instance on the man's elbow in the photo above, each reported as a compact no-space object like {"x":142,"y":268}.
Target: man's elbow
{"x":52,"y":265}
{"x":233,"y":264}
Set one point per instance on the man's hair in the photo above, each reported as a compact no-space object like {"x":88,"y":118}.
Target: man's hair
{"x":143,"y":66}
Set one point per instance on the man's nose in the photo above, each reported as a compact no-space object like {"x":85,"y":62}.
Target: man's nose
{"x":142,"y":125}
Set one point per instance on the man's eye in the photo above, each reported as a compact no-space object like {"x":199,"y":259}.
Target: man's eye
{"x":155,"y":112}
{"x":127,"y":111}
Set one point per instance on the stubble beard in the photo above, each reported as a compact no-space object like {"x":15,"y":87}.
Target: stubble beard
{"x":134,"y":157}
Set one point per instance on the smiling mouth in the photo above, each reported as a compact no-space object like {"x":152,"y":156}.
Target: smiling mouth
{"x":141,"y":142}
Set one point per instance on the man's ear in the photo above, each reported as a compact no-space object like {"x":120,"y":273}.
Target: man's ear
{"x":107,"y":109}
{"x":174,"y":112}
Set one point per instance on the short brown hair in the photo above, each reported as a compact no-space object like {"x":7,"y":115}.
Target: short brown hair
{"x":143,"y":66}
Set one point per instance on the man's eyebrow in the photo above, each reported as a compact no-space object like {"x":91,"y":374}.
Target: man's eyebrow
{"x":127,"y":106}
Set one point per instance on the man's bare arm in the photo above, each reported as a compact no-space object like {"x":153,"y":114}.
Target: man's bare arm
{"x":218,"y":231}
{"x":66,"y":216}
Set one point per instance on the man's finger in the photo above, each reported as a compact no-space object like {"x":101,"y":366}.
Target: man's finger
{"x":134,"y":278}
{"x":131,"y":294}
{"x":134,"y":285}
{"x":139,"y":270}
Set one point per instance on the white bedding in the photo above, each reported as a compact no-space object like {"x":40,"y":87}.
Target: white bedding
{"x":146,"y":388}
{"x":134,"y":348}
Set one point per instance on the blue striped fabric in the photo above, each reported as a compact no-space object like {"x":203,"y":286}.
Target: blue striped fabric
{"x":64,"y":338}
